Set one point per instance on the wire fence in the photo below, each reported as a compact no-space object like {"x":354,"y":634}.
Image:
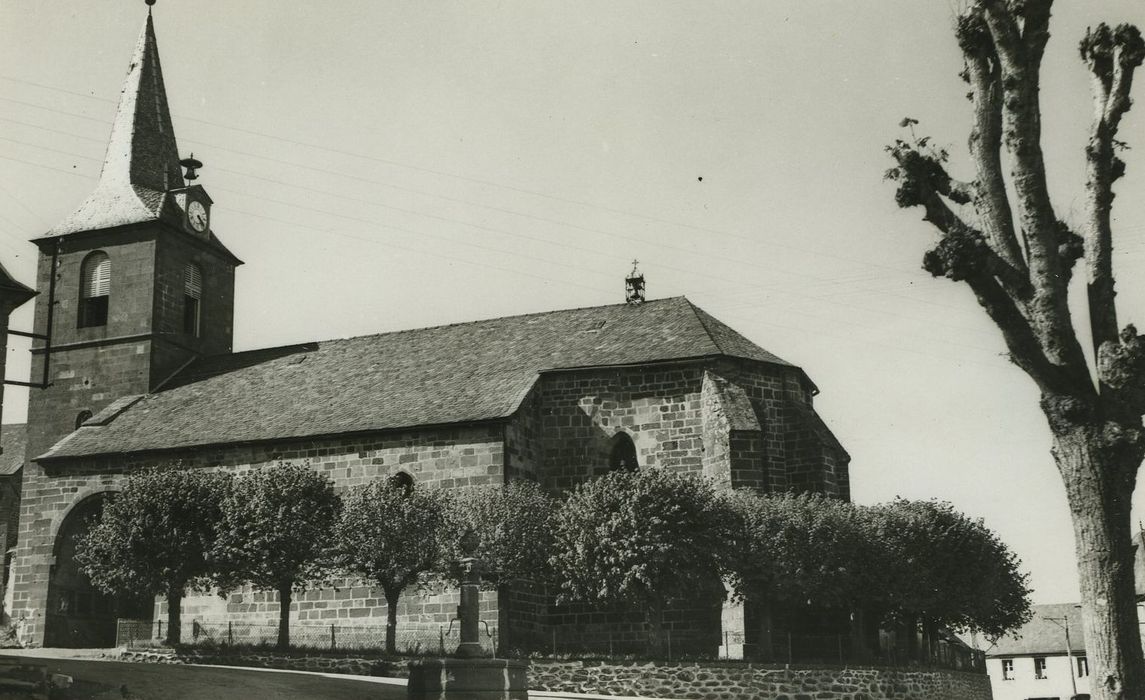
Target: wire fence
{"x":409,"y":640}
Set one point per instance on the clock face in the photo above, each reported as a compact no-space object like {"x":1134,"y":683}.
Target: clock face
{"x":197,"y":215}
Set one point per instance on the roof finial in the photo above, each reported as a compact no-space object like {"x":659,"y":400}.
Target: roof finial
{"x":634,"y":285}
{"x":149,"y":4}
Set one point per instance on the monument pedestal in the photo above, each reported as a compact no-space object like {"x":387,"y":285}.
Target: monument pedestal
{"x":468,"y":679}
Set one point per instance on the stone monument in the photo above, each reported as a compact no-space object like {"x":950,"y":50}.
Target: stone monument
{"x":470,"y":674}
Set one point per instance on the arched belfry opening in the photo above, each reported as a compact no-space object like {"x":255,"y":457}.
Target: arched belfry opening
{"x":622,"y":454}
{"x":78,"y":615}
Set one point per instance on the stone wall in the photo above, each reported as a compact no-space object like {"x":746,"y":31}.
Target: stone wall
{"x":739,"y":681}
{"x":658,"y":407}
{"x":703,"y":681}
{"x":352,"y":665}
{"x":455,"y":457}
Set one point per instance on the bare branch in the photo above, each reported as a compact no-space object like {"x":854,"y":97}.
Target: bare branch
{"x":1019,"y":33}
{"x":963,"y":251}
{"x":1025,"y":349}
{"x":1121,"y":368}
{"x":983,"y":72}
{"x":1112,"y":57}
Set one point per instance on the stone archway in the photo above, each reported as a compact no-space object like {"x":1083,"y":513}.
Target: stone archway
{"x":77,"y":615}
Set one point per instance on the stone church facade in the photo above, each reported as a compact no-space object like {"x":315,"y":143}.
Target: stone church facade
{"x":142,"y":373}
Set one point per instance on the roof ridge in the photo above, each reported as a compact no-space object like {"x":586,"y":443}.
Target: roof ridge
{"x":439,"y":326}
{"x":699,"y":314}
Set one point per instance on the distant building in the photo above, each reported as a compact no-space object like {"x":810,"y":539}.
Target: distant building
{"x":1033,"y":663}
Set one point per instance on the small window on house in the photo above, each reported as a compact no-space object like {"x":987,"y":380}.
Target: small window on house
{"x":622,"y":456}
{"x":402,"y":480}
{"x":1040,"y":668}
{"x":1082,"y":667}
{"x":95,"y":290}
{"x":1007,"y":669}
{"x":82,"y":418}
{"x":192,"y":299}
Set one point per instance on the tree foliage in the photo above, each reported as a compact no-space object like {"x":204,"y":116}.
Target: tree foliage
{"x":804,"y":548}
{"x":639,"y":538}
{"x":910,"y":560}
{"x":276,"y":533}
{"x":947,"y":569}
{"x":393,"y":534}
{"x":999,"y":234}
{"x":514,"y":528}
{"x":155,"y":537}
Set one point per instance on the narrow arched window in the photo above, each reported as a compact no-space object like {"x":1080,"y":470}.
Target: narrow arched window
{"x":95,"y":290}
{"x":403,"y":481}
{"x":192,"y":299}
{"x":622,"y":456}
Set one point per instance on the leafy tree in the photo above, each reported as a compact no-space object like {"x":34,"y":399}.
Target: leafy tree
{"x":514,"y":535}
{"x":513,"y":524}
{"x":802,"y":549}
{"x":1002,"y":237}
{"x":393,"y":533}
{"x":155,"y":536}
{"x":276,"y":533}
{"x":639,"y":538}
{"x":949,"y":570}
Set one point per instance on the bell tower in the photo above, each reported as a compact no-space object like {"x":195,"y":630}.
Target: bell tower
{"x":143,"y":285}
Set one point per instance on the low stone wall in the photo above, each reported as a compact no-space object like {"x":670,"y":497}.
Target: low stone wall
{"x":741,"y":681}
{"x":703,"y":681}
{"x":358,"y":666}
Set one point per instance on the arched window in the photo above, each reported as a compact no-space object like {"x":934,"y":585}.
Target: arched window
{"x":622,"y":456}
{"x":402,"y":480}
{"x":95,"y":290}
{"x":82,"y":418}
{"x":192,"y":298}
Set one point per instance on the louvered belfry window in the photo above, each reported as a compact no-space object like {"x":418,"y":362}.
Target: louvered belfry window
{"x":192,"y":298}
{"x":95,"y":290}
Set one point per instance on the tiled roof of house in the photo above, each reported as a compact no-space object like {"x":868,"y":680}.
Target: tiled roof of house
{"x":13,"y":439}
{"x":432,"y":376}
{"x":1044,"y":636}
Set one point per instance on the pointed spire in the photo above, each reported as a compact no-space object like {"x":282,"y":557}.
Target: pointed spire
{"x":142,"y":160}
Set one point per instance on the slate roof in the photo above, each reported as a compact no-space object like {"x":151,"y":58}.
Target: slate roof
{"x":14,"y":291}
{"x":459,"y":373}
{"x":142,"y":161}
{"x":1040,"y":636}
{"x":13,"y":439}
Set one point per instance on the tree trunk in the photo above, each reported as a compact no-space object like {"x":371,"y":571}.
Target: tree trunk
{"x":174,"y":614}
{"x":860,"y":648}
{"x":285,"y":592}
{"x":766,"y":632}
{"x":392,"y":598}
{"x":655,"y":642}
{"x":1099,"y":477}
{"x":910,"y":628}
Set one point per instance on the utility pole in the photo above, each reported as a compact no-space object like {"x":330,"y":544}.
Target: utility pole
{"x":1063,"y":622}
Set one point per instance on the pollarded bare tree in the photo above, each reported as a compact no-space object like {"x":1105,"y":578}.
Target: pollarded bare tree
{"x":1000,"y":235}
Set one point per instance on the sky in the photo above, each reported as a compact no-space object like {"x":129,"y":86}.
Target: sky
{"x":389,"y":165}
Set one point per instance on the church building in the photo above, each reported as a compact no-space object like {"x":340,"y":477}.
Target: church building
{"x":141,"y":372}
